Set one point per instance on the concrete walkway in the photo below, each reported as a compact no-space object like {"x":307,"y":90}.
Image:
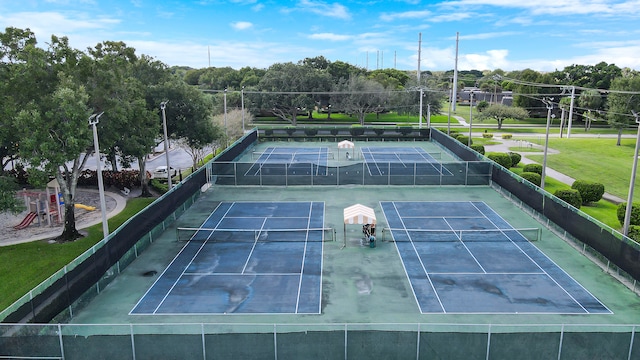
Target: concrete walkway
{"x":506,"y":145}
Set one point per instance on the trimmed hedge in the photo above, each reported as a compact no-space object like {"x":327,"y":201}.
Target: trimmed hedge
{"x":589,"y":191}
{"x":463,"y":139}
{"x":515,"y":158}
{"x":634,"y":233}
{"x":356,"y":130}
{"x":534,"y":178}
{"x":478,"y":148}
{"x":501,"y":158}
{"x":507,"y":136}
{"x":487,"y":135}
{"x":311,"y":131}
{"x":571,"y":196}
{"x":534,"y":168}
{"x":635,"y":213}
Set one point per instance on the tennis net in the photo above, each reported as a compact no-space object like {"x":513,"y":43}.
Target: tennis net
{"x":253,"y":235}
{"x":292,"y":155}
{"x":404,"y":154}
{"x":484,"y":235}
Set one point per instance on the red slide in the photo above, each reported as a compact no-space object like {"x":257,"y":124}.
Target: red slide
{"x":27,"y":221}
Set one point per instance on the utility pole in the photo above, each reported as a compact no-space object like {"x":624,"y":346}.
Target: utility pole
{"x":549,"y":103}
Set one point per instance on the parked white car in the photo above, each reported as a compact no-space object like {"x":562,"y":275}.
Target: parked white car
{"x":161,"y":172}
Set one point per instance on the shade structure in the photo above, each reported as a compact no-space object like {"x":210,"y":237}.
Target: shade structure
{"x":357,"y":214}
{"x":345,"y":144}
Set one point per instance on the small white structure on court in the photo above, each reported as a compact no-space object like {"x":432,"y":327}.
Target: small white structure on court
{"x":346,"y":144}
{"x":357,"y":214}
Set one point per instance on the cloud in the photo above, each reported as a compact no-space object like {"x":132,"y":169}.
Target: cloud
{"x":556,"y":7}
{"x":417,"y":14}
{"x":330,"y":37}
{"x":484,"y":36}
{"x":241,"y":25}
{"x":44,"y":24}
{"x":322,"y":8}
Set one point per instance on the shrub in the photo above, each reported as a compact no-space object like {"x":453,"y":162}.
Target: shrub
{"x":160,"y":186}
{"x":507,"y":136}
{"x":268,"y":132}
{"x":515,"y":158}
{"x":635,"y":213}
{"x":501,"y":158}
{"x":311,"y":131}
{"x":534,"y":168}
{"x":482,"y":105}
{"x":334,"y":131}
{"x":534,"y":178}
{"x":405,"y":130}
{"x":378,"y":131}
{"x":487,"y":135}
{"x":589,"y":191}
{"x":478,"y":148}
{"x":464,"y":139}
{"x":291,"y":130}
{"x":570,"y":196}
{"x":356,"y":130}
{"x":634,"y":233}
{"x":454,"y":134}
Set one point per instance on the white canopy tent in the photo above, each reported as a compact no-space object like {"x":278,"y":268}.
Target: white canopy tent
{"x":346,"y":144}
{"x":357,"y":214}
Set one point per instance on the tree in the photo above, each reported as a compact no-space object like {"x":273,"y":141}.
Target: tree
{"x":188,"y":113}
{"x":8,"y":200}
{"x":501,"y":112}
{"x":287,"y":90}
{"x":591,"y":100}
{"x":61,"y":146}
{"x":622,"y":104}
{"x":16,"y":90}
{"x":361,"y":96}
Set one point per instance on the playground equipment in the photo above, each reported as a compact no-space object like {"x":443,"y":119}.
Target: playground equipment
{"x":85,"y":207}
{"x":26,"y":221}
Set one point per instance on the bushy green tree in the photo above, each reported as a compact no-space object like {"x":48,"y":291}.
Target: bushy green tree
{"x":501,"y":112}
{"x":589,"y":191}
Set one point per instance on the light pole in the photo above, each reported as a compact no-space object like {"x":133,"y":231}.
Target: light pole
{"x":627,"y":212}
{"x":93,"y":121}
{"x":450,"y":109}
{"x":420,"y":117}
{"x":226,"y":133}
{"x":549,"y":103}
{"x":163,"y":105}
{"x":428,"y":115}
{"x":242,"y":105}
{"x":470,"y":116}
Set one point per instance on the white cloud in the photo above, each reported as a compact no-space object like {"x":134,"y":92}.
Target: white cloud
{"x":241,"y":25}
{"x":322,"y":8}
{"x":416,"y":14}
{"x":44,"y":24}
{"x":330,"y":37}
{"x":556,"y":7}
{"x":484,"y":36}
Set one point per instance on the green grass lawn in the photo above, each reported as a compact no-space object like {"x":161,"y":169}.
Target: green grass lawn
{"x":592,"y":159}
{"x":23,"y":266}
{"x":603,"y":210}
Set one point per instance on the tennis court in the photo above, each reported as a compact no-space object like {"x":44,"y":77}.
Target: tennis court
{"x":280,"y":160}
{"x":246,"y":257}
{"x":401,"y":160}
{"x":463,"y":257}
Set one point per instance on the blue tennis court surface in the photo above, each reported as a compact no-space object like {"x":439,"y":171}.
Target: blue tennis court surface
{"x":463,"y":257}
{"x":229,"y":267}
{"x":394,"y":160}
{"x":281,"y":160}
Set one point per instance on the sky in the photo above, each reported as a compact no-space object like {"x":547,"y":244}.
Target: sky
{"x":543,"y":35}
